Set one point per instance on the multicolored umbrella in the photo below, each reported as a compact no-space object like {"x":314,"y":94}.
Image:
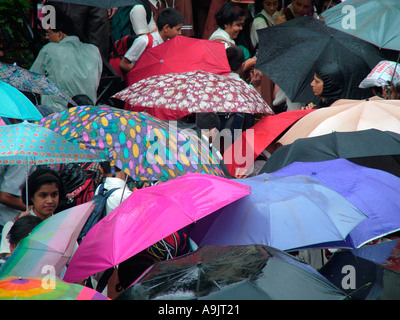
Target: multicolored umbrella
{"x":143,"y":146}
{"x":39,"y":288}
{"x":195,"y":91}
{"x":51,"y":243}
{"x":25,"y":80}
{"x":14,"y":104}
{"x":29,"y":143}
{"x":149,"y":215}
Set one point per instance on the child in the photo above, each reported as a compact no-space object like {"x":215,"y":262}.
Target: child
{"x":169,"y":24}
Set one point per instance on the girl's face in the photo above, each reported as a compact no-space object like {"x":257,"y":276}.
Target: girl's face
{"x":234,"y":28}
{"x":317,"y":85}
{"x":270,"y":6}
{"x":45,"y":200}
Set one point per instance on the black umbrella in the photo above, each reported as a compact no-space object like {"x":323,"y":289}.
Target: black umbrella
{"x":368,"y":273}
{"x":107,"y":4}
{"x":213,"y":272}
{"x":348,"y":145}
{"x":290,"y":52}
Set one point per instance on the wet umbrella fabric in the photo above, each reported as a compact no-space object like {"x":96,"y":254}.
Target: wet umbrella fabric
{"x":181,"y":54}
{"x":347,"y":115}
{"x":283,"y":212}
{"x":149,"y":215}
{"x":25,"y":80}
{"x":374,"y":192}
{"x":290,"y":52}
{"x":364,"y":279}
{"x":348,"y":145}
{"x":194,"y":91}
{"x":37,"y":288}
{"x":373,"y":21}
{"x":14,"y":104}
{"x":211,"y":271}
{"x":145,"y":147}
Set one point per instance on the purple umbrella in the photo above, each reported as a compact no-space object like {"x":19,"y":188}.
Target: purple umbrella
{"x":375,"y":192}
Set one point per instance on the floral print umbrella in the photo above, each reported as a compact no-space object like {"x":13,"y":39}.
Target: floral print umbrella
{"x":25,"y":80}
{"x":143,"y":146}
{"x":195,"y":91}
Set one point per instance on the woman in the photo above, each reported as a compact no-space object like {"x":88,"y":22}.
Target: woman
{"x":267,"y":15}
{"x":327,"y":86}
{"x":44,"y":193}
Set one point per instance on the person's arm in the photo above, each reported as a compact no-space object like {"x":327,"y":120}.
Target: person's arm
{"x":12,"y":201}
{"x":138,"y":20}
{"x":125,"y":65}
{"x":133,"y":54}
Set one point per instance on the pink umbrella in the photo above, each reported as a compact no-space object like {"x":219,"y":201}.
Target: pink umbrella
{"x":149,"y":215}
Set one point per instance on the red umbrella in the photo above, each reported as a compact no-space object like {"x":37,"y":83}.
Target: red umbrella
{"x":240,"y":156}
{"x":180,"y":54}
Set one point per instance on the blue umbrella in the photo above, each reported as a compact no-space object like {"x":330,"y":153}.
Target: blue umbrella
{"x":374,"y":21}
{"x":282,"y":212}
{"x":375,"y":192}
{"x":15,"y":105}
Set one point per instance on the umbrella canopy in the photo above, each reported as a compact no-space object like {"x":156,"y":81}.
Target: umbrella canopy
{"x":211,"y":271}
{"x":194,"y":91}
{"x":385,"y":72}
{"x":290,"y":52}
{"x":29,"y":143}
{"x":50,"y":243}
{"x":348,"y":145}
{"x":345,"y":116}
{"x":374,"y":192}
{"x":373,"y":21}
{"x":365,"y":279}
{"x":25,"y":80}
{"x":149,"y":215}
{"x":181,"y":54}
{"x":283,"y":212}
{"x":106,"y":4}
{"x":14,"y":104}
{"x":33,"y":288}
{"x":239,"y":157}
{"x":143,"y":146}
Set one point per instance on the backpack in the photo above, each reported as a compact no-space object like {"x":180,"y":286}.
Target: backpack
{"x":80,"y":181}
{"x":170,"y":247}
{"x":121,"y":23}
{"x":99,"y":211}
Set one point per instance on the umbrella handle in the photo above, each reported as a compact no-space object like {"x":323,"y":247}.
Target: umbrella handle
{"x":394,"y":72}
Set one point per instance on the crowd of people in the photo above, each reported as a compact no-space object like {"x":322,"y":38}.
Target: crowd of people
{"x":80,"y":47}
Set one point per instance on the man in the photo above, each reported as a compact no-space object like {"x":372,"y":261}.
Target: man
{"x":74,"y":66}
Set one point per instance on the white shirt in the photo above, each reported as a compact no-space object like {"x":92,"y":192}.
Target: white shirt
{"x":221,"y":34}
{"x":259,"y":23}
{"x":138,"y":18}
{"x":114,"y":200}
{"x":140,"y":44}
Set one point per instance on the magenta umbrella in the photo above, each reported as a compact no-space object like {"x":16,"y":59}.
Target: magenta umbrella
{"x":149,"y":215}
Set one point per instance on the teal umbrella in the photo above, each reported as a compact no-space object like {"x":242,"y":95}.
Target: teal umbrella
{"x":14,"y":104}
{"x":374,"y":21}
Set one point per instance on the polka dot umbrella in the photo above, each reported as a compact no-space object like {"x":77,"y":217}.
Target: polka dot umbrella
{"x":143,"y":146}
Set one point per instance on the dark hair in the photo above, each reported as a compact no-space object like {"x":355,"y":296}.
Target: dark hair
{"x":105,"y":165}
{"x":38,"y":178}
{"x":22,"y":228}
{"x":81,"y":100}
{"x":169,"y":17}
{"x":207,"y":120}
{"x":259,"y":5}
{"x":235,"y":55}
{"x":64,"y":24}
{"x":228,"y":14}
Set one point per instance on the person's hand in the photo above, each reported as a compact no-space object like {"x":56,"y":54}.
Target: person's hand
{"x":281,"y":17}
{"x":23,"y":214}
{"x":111,"y":12}
{"x":255,"y":77}
{"x":309,"y":106}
